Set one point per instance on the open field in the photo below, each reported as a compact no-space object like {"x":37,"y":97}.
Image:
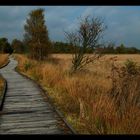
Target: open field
{"x":84,"y":98}
{"x":121,"y":57}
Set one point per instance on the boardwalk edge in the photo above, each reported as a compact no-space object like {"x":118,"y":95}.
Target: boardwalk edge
{"x":50,"y":101}
{"x":4,"y":88}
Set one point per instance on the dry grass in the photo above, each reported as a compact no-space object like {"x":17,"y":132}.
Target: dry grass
{"x":3,"y":60}
{"x":1,"y":86}
{"x":84,"y":97}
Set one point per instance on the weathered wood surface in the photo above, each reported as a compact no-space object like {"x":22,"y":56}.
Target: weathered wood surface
{"x":25,"y":111}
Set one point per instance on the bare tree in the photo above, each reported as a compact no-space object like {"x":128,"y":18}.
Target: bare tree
{"x":87,"y":36}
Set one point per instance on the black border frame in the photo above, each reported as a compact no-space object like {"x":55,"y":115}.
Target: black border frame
{"x":70,"y":2}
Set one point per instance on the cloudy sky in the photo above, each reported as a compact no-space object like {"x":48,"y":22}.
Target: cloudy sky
{"x":123,"y":22}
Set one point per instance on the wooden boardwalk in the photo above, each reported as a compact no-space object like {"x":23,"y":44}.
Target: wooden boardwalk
{"x":25,"y":111}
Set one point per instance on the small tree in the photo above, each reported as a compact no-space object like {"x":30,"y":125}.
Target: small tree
{"x":18,"y":46}
{"x":5,"y":46}
{"x":37,"y":35}
{"x":87,"y":36}
{"x":121,"y":49}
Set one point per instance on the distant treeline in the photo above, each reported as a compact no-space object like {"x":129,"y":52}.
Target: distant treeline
{"x":60,"y":47}
{"x":18,"y":46}
{"x":112,"y":49}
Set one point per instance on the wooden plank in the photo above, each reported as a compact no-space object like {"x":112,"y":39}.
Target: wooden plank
{"x":25,"y":109}
{"x":27,"y":119}
{"x":25,"y":99}
{"x":23,"y":106}
{"x":22,"y":95}
{"x":33,"y":131}
{"x":31,"y":124}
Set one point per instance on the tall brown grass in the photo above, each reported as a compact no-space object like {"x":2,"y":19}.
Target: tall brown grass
{"x":3,"y":60}
{"x":84,"y":97}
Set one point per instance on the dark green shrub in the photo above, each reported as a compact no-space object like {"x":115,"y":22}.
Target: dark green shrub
{"x":131,"y":67}
{"x":27,"y":65}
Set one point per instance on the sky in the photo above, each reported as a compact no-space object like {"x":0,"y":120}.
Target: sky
{"x":123,"y":22}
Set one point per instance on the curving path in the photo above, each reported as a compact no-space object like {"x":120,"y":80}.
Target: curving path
{"x":25,"y":111}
